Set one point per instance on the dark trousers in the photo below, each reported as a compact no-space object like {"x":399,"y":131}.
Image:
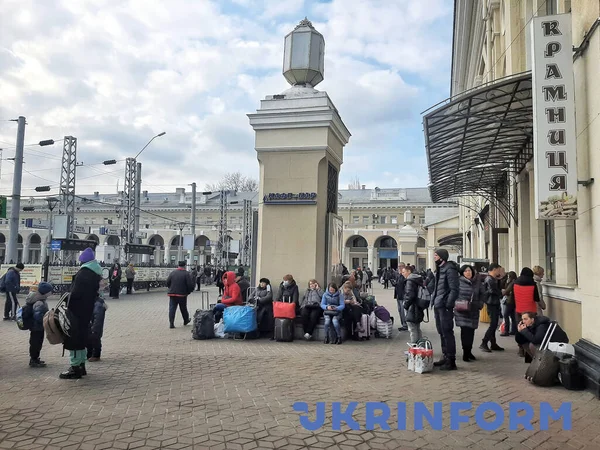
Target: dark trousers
{"x":198,"y":282}
{"x":115,"y":284}
{"x":174,"y":302}
{"x":10,"y":305}
{"x":310,"y":319}
{"x":444,"y":323}
{"x":402,"y":312}
{"x":490,"y":334}
{"x":129,"y":285}
{"x":386,"y":284}
{"x":94,"y":347}
{"x":467,"y":336}
{"x":351,"y":316}
{"x":36,"y":340}
{"x":510,"y":321}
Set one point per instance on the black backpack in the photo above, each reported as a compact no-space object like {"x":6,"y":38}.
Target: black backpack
{"x":204,"y":325}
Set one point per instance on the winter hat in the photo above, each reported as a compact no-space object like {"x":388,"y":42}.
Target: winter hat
{"x":240,"y":272}
{"x":264,"y":280}
{"x":443,"y":254}
{"x":44,"y":288}
{"x":87,"y":255}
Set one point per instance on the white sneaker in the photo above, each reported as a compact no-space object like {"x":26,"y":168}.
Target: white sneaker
{"x":307,"y":336}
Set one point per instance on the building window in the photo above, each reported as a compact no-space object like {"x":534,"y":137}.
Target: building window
{"x":550,"y":250}
{"x":365,"y":220}
{"x":422,"y":220}
{"x":382,"y":219}
{"x":394,"y":219}
{"x":355,"y":219}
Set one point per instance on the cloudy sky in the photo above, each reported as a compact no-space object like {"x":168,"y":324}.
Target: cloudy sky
{"x":114,"y":73}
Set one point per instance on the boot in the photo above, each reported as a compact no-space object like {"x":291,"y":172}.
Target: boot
{"x":528,"y":358}
{"x":326,"y":341}
{"x":484,"y":347}
{"x":83,"y":371}
{"x":450,"y":365}
{"x":471,"y":356}
{"x":495,"y":347}
{"x":185,"y":322}
{"x":172,"y":326}
{"x":440,"y":363}
{"x":521,"y":352}
{"x":466,"y":357}
{"x":339,"y":341}
{"x":73,"y":373}
{"x":36,"y":363}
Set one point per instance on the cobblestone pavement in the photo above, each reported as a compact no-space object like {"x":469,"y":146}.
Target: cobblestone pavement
{"x":158,"y":388}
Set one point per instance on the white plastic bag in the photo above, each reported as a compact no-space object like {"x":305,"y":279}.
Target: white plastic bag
{"x":561,"y":350}
{"x":424,"y":359}
{"x":411,"y":356}
{"x":219,"y":330}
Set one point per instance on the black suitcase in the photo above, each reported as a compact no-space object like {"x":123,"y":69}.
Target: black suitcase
{"x":284,"y":330}
{"x":203,"y":325}
{"x":570,"y":374}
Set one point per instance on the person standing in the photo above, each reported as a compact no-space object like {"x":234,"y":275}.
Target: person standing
{"x":39,"y":307}
{"x":444,"y":297}
{"x":369,"y":274}
{"x":399,"y":296}
{"x":243,"y":283}
{"x":197,"y":277}
{"x":414,"y":314}
{"x":130,"y":275}
{"x":180,"y":285}
{"x":94,"y":348}
{"x":470,"y":289}
{"x":12,"y":285}
{"x":84,"y":291}
{"x":508,"y":311}
{"x":219,"y":281}
{"x":493,"y":295}
{"x":114,"y":278}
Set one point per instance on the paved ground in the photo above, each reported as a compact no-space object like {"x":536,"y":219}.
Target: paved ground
{"x":158,"y":388}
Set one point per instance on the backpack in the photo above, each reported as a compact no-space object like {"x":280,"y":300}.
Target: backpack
{"x":382,"y":314}
{"x":204,"y":325}
{"x":59,"y":322}
{"x":25,"y":317}
{"x":424,"y":298}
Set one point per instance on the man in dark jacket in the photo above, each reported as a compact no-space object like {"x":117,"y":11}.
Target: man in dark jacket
{"x":532,"y":330}
{"x":243,"y":283}
{"x":180,"y":285}
{"x":12,"y":285}
{"x":414,"y":314}
{"x":86,"y":284}
{"x":492,"y":298}
{"x":399,"y":296}
{"x":114,"y":278}
{"x":444,"y":297}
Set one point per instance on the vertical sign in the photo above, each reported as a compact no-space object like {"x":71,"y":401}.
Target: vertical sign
{"x":2,"y":207}
{"x":555,"y":151}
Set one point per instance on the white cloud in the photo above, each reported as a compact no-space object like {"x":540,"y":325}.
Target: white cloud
{"x":114,"y":73}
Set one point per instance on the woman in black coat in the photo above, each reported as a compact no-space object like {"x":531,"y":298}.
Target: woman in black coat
{"x":471,"y":289}
{"x":84,"y":290}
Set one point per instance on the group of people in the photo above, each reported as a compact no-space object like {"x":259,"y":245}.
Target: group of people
{"x":115,"y":274}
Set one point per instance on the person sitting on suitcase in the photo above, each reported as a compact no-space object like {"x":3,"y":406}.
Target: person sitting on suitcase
{"x":310,"y":308}
{"x":232,"y":295}
{"x":263,"y":299}
{"x":288,"y":290}
{"x":352,"y":311}
{"x":332,"y":305}
{"x":532,"y":330}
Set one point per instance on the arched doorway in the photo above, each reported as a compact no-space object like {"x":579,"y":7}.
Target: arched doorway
{"x":387,"y":251}
{"x":93,"y":237}
{"x":75,"y":236}
{"x":35,"y":249}
{"x":358,"y":253}
{"x":174,"y":249}
{"x":158,"y":242}
{"x":203,"y":247}
{"x":113,"y":240}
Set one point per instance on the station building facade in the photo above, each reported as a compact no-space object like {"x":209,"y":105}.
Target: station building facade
{"x":481,"y":149}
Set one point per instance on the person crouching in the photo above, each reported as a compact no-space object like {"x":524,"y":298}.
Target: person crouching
{"x":39,"y":305}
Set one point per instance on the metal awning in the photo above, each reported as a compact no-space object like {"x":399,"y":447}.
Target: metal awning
{"x":474,"y":141}
{"x":453,"y":240}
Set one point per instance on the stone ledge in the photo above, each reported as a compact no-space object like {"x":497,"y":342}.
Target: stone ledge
{"x":588,"y":356}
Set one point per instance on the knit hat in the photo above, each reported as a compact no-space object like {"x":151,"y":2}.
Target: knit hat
{"x":443,"y":254}
{"x":44,"y":287}
{"x":87,"y":255}
{"x":240,"y":272}
{"x":264,"y":280}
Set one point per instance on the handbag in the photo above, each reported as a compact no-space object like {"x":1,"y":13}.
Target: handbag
{"x":329,"y":312}
{"x":462,"y":305}
{"x":543,"y":370}
{"x":284,"y":310}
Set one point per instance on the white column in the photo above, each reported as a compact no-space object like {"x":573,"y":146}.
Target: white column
{"x":167,"y":255}
{"x":370,"y":258}
{"x":44,"y":248}
{"x":25,"y":258}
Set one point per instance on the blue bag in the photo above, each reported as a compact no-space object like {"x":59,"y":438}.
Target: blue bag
{"x":239,"y":319}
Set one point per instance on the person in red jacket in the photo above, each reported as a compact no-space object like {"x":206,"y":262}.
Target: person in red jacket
{"x":232,"y":295}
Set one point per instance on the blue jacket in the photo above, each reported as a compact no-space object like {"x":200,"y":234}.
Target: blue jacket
{"x":332,"y":300}
{"x":97,"y":322}
{"x":12,"y":281}
{"x":40,"y":308}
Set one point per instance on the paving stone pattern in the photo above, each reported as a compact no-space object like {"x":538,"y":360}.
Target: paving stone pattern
{"x":157,"y":388}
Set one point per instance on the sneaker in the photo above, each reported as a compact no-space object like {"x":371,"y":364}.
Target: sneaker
{"x":403,"y":329}
{"x":185,"y":322}
{"x":171,"y":326}
{"x":450,"y":365}
{"x":37,"y":363}
{"x":495,"y":347}
{"x":307,"y":336}
{"x":6,"y":318}
{"x":440,"y":363}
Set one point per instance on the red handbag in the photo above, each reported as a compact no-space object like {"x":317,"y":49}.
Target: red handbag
{"x":284,"y":310}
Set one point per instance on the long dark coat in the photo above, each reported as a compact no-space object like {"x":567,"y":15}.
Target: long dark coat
{"x":86,"y":284}
{"x":470,"y":289}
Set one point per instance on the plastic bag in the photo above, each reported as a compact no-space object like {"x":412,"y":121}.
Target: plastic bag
{"x":424,"y":358}
{"x":220,"y":330}
{"x":239,"y":319}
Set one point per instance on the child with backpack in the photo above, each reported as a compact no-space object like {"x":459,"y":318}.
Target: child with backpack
{"x":94,"y":347}
{"x":36,"y":306}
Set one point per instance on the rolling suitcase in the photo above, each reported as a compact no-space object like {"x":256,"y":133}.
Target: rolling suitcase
{"x":570,"y":375}
{"x":365,"y":334}
{"x":284,"y":330}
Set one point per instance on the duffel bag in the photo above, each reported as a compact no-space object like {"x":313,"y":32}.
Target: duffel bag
{"x":284,"y":310}
{"x":239,"y":319}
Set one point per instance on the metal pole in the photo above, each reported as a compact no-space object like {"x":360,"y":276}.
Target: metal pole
{"x":180,"y":246}
{"x":193,"y":253}
{"x":15,"y":206}
{"x":138,"y":194}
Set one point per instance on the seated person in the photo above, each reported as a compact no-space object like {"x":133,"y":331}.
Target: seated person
{"x":263,"y":299}
{"x":288,"y":290}
{"x":232,"y":295}
{"x":332,"y":306}
{"x":353,"y":310}
{"x":310,"y":308}
{"x":532,"y":330}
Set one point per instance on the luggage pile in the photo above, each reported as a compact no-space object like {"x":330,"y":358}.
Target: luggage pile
{"x":382,"y":322}
{"x":284,"y":313}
